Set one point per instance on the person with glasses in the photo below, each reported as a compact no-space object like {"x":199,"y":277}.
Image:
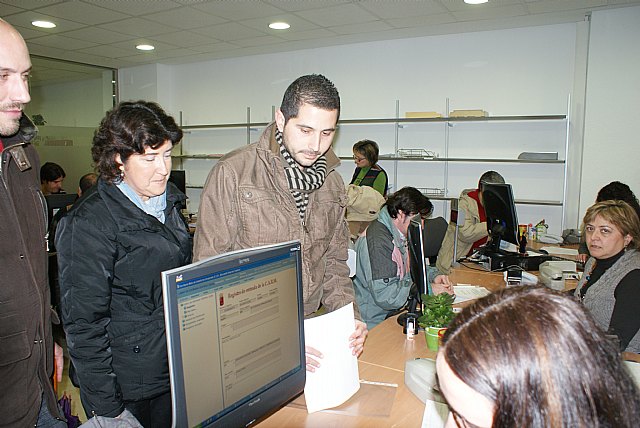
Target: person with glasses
{"x":609,"y":285}
{"x":383,"y":281}
{"x":613,"y":191}
{"x":532,"y":357}
{"x":368,"y":172}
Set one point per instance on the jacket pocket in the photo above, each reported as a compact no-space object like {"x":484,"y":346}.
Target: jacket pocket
{"x":264,"y":219}
{"x":14,"y":347}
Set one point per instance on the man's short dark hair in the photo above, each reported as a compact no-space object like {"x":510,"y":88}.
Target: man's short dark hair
{"x":87,"y":181}
{"x":51,"y":171}
{"x":490,"y":177}
{"x":409,"y":200}
{"x":314,"y":89}
{"x":369,"y":149}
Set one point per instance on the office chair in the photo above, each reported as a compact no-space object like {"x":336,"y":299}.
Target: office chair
{"x":433,"y":234}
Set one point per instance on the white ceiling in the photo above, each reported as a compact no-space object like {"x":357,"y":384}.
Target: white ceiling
{"x":105,"y":32}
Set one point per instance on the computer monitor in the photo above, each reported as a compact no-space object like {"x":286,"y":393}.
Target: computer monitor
{"x":235,"y":335}
{"x":417,"y":261}
{"x":179,"y":178}
{"x":500,"y":210}
{"x":417,"y":269}
{"x":58,"y":201}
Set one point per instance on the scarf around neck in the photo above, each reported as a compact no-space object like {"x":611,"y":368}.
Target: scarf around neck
{"x":302,"y":181}
{"x":153,"y":206}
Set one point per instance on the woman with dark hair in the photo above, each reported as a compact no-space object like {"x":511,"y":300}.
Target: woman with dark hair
{"x":383,"y":281}
{"x":368,"y":172}
{"x":613,"y":191}
{"x":112,"y":247}
{"x":609,"y":286}
{"x":531,"y":357}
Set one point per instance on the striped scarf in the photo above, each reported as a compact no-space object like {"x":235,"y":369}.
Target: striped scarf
{"x":302,"y":182}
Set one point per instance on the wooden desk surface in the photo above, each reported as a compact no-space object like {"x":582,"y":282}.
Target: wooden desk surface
{"x":383,"y":360}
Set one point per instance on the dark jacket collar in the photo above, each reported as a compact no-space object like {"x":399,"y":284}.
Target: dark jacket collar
{"x":25,"y":134}
{"x":127,"y":214}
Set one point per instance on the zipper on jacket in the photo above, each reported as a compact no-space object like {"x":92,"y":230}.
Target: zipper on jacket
{"x":4,"y":183}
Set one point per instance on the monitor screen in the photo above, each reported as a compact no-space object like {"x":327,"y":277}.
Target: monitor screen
{"x":179,"y":178}
{"x":235,"y":335}
{"x":57,"y":201}
{"x":500,"y":209}
{"x":417,"y":262}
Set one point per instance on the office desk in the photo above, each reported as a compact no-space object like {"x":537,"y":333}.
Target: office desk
{"x":385,"y":354}
{"x":469,"y":273}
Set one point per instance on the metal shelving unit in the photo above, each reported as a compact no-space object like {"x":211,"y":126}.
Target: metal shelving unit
{"x":410,"y":156}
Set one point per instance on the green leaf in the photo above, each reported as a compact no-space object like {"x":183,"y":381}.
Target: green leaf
{"x":437,"y":311}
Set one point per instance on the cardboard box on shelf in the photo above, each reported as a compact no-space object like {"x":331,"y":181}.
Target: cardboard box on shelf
{"x":422,"y":114}
{"x":468,"y":113}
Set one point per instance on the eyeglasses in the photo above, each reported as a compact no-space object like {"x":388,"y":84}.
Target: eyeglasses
{"x":358,"y":159}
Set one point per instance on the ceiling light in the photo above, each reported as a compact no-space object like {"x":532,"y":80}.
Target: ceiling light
{"x":43,"y":24}
{"x":145,"y":47}
{"x":475,"y":1}
{"x":279,"y":25}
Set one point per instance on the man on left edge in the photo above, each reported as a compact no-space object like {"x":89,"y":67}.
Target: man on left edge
{"x":26,"y":343}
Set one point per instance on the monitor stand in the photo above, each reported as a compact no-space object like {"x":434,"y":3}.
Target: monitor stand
{"x":413,"y":309}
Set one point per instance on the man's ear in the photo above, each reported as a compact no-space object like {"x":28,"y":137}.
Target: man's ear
{"x":280,"y":120}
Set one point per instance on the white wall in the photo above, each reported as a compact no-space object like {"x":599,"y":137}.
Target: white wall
{"x":79,"y":103}
{"x":524,"y":71}
{"x":72,"y":111}
{"x":612,"y":125}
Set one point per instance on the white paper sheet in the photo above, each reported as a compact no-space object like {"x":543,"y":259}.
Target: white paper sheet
{"x":435,"y":414}
{"x":466,"y":292}
{"x":337,"y":378}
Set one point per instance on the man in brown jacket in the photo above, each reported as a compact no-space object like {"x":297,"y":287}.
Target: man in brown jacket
{"x":26,"y":344}
{"x":285,"y":187}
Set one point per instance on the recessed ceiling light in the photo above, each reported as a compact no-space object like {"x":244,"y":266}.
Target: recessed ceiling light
{"x":279,"y":25}
{"x":475,"y":1}
{"x":145,"y":47}
{"x":43,"y":24}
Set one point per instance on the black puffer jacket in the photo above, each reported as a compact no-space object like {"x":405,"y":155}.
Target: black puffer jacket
{"x":110,"y":255}
{"x":26,"y":345}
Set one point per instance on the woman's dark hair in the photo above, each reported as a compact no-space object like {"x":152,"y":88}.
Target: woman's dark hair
{"x":50,"y":171}
{"x":128,"y":129}
{"x":369,"y":149}
{"x":543,"y":361}
{"x":313,"y":89}
{"x":620,"y":192}
{"x":409,"y":200}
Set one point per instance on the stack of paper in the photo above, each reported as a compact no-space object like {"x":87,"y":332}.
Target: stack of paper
{"x":466,"y":292}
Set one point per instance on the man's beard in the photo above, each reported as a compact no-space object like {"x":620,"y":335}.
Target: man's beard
{"x":11,"y":126}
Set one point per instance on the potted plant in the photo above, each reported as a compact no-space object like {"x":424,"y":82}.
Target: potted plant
{"x":437,"y":313}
